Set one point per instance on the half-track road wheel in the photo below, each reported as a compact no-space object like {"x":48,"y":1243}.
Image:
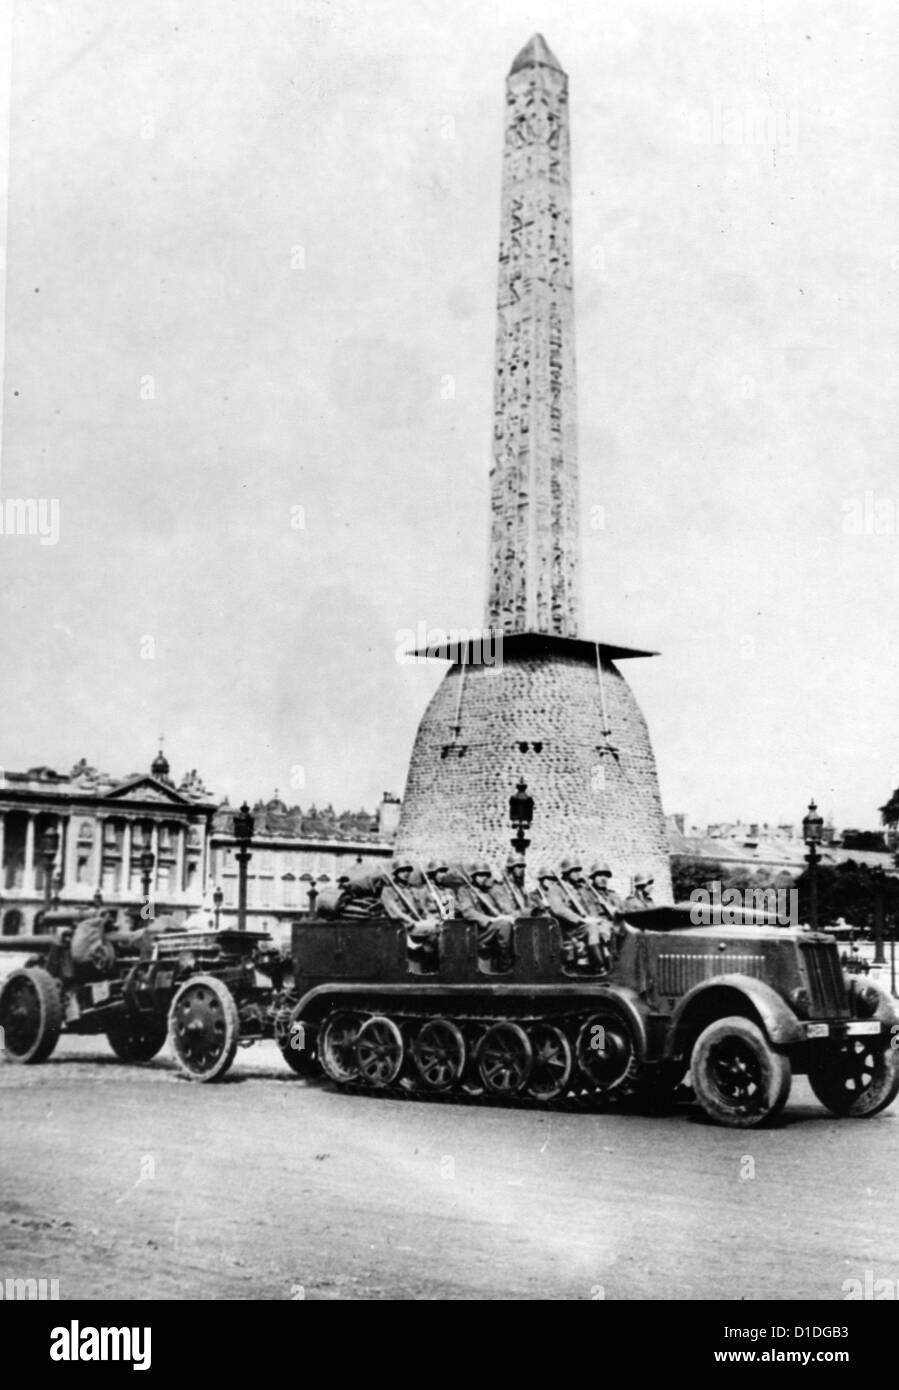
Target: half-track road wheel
{"x":204,"y":1028}
{"x":379,"y":1051}
{"x":858,"y":1077}
{"x":606,"y":1055}
{"x":438,"y":1054}
{"x":337,"y":1047}
{"x":299,"y":1047}
{"x":738,"y":1078}
{"x":553,"y":1061}
{"x":134,"y":1041}
{"x":505,"y":1059}
{"x":30,"y":1014}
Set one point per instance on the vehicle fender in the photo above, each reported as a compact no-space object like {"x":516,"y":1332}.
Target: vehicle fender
{"x":868,"y":999}
{"x":734,"y":993}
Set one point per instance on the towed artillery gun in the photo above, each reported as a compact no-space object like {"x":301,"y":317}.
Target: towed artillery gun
{"x":741,"y":1006}
{"x":208,"y":991}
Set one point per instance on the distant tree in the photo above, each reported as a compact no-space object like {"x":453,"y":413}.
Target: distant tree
{"x":849,"y":891}
{"x":688,"y":874}
{"x":889,"y":812}
{"x":864,"y":840}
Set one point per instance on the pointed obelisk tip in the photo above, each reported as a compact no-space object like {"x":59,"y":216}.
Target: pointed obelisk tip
{"x":536,"y":51}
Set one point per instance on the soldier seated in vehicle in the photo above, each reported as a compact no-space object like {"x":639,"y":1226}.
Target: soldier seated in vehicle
{"x":509,"y":891}
{"x":399,"y":902}
{"x":642,"y":894}
{"x":436,"y":895}
{"x":476,"y":903}
{"x":585,"y":936}
{"x":603,"y":901}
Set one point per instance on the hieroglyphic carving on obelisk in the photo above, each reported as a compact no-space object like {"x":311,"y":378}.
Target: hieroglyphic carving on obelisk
{"x":534,"y":581}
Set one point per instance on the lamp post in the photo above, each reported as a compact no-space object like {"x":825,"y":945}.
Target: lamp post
{"x":812,"y":834}
{"x":244,"y":825}
{"x":312,"y":892}
{"x":879,"y":914}
{"x":218,"y":898}
{"x":57,"y":888}
{"x":147,"y":865}
{"x":521,"y":815}
{"x":49,"y":849}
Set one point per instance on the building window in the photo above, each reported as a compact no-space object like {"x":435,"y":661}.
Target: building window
{"x":12,"y":922}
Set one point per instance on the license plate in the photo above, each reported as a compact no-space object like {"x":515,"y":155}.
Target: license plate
{"x":100,"y":992}
{"x":853,"y":1029}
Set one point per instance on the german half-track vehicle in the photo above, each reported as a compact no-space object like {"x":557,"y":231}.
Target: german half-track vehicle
{"x":741,"y":1008}
{"x":208,"y":991}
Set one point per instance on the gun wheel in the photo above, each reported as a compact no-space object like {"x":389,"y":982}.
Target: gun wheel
{"x":439,"y":1053}
{"x":505,"y":1059}
{"x":204,"y":1028}
{"x":136,"y":1042}
{"x":337,"y":1047}
{"x":30,"y":1014}
{"x":379,"y":1051}
{"x":552,"y":1067}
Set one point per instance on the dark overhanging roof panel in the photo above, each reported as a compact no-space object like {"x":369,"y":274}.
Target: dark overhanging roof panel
{"x":483,"y":649}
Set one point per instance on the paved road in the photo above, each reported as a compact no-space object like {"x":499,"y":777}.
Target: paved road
{"x":130,"y":1182}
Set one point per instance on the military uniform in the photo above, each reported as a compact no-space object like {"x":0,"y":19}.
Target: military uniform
{"x":400,"y":902}
{"x":582,"y":929}
{"x":601,"y":898}
{"x":475,"y":903}
{"x":641,"y":896}
{"x":435,"y":896}
{"x":509,"y":893}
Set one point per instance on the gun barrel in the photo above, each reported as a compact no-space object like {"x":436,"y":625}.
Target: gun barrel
{"x":27,"y":944}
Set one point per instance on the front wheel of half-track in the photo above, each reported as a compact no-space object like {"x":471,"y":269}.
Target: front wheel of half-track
{"x":739,"y":1079}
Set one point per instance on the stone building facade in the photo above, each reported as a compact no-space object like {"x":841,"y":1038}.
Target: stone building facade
{"x":104,"y":824}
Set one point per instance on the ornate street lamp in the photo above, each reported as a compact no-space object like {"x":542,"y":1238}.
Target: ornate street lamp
{"x":812,"y":834}
{"x":244,"y":825}
{"x":147,"y":863}
{"x":521,"y":814}
{"x":49,"y":851}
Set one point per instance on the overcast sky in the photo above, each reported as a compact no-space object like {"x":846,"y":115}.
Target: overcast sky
{"x":252,"y":268}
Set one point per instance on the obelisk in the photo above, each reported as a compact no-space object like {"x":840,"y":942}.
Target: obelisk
{"x":534,"y":583}
{"x":548,"y":705}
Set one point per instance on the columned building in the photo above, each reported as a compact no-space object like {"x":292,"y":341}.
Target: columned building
{"x":104,"y":826}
